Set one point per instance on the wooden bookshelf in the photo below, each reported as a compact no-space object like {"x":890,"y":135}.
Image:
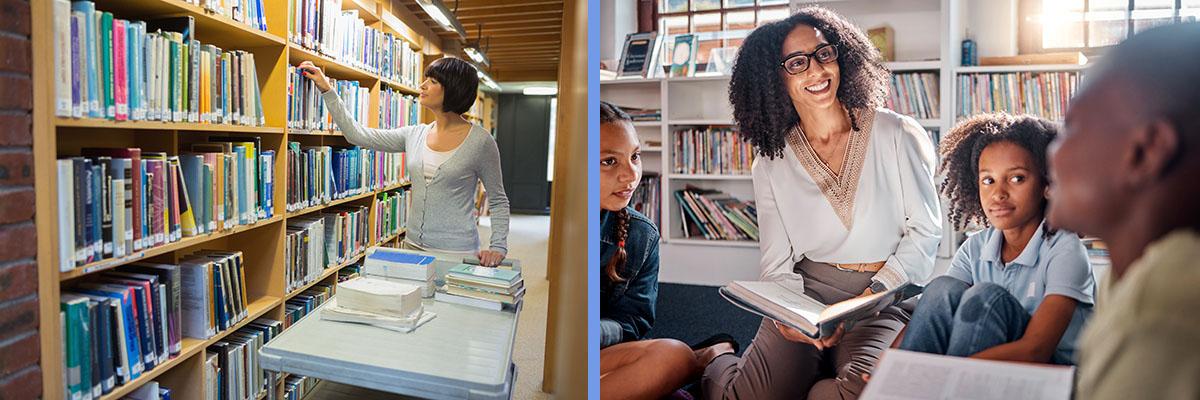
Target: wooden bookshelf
{"x":262,"y":243}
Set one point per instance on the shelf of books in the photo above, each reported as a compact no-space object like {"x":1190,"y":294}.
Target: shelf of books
{"x":194,"y":198}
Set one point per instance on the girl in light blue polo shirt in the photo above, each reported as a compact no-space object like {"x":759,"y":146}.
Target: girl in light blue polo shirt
{"x":1018,"y":290}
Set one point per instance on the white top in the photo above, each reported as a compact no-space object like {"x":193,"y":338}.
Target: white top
{"x":434,"y":159}
{"x":891,"y":214}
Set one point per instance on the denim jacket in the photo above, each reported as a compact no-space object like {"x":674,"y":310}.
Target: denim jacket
{"x":627,"y":308}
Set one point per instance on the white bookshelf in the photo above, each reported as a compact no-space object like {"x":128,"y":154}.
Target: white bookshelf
{"x":928,"y":36}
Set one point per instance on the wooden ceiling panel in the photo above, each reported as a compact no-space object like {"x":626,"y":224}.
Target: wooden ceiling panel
{"x":523,"y":38}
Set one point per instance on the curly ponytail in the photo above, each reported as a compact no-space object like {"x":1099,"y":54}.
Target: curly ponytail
{"x":618,"y":258}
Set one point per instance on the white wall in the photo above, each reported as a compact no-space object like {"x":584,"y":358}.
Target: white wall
{"x":617,"y":19}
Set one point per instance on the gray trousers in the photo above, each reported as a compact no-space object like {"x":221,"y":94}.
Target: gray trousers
{"x":776,"y":368}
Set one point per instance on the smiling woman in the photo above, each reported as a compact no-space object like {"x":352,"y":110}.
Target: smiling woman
{"x":845,"y":198}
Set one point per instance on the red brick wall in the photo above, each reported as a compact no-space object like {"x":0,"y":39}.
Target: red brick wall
{"x":20,"y":375}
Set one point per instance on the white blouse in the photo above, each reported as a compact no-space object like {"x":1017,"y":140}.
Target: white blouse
{"x":434,"y":160}
{"x":883,"y":207}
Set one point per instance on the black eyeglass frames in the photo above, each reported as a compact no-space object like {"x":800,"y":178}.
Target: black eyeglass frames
{"x":799,"y":61}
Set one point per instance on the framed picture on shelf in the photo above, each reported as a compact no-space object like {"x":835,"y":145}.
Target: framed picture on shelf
{"x":638,"y":55}
{"x":683,"y":55}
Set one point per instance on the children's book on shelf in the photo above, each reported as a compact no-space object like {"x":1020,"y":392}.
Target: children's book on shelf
{"x":914,"y":94}
{"x":711,"y":151}
{"x":638,"y":55}
{"x":713,"y":215}
{"x":1044,"y":94}
{"x":647,"y":199}
{"x":683,"y":55}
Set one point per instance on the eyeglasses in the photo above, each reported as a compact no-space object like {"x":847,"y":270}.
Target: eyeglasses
{"x":798,"y":62}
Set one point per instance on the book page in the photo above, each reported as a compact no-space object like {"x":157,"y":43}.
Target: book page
{"x":912,"y":375}
{"x":847,"y":305}
{"x":783,"y":297}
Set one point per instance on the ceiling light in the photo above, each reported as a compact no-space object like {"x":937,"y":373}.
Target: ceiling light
{"x":476,"y":54}
{"x":438,"y":11}
{"x":487,"y":80}
{"x":540,"y":91}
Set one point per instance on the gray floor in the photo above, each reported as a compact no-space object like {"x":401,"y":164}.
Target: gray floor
{"x":528,"y":236}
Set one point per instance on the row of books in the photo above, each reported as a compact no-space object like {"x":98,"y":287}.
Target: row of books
{"x":231,"y":367}
{"x":914,"y":94}
{"x":249,"y":12}
{"x":391,"y":210}
{"x":304,"y":251}
{"x":323,"y":26}
{"x":643,"y":114}
{"x":148,"y":70}
{"x":114,"y":202}
{"x":397,"y":109}
{"x":714,"y":215}
{"x":118,"y":326}
{"x":321,"y":174}
{"x":307,"y":111}
{"x":127,"y":321}
{"x":647,"y":199}
{"x":711,"y":151}
{"x":346,"y":232}
{"x":304,"y":303}
{"x":1044,"y":94}
{"x":295,"y":387}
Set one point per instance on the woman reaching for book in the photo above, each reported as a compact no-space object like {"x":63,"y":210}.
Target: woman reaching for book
{"x":630,"y":367}
{"x":1019,"y":290}
{"x":445,"y":160}
{"x":845,"y":196}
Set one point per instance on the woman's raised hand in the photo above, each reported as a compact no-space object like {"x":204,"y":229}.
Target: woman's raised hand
{"x":312,"y":72}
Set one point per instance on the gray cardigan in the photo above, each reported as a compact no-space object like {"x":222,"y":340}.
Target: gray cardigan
{"x":440,"y":216}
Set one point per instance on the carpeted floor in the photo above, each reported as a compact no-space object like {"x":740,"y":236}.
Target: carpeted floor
{"x":693,"y":313}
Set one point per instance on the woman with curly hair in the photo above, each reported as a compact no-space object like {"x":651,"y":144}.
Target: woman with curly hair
{"x":1018,"y":290}
{"x":631,"y":366}
{"x":845,"y":195}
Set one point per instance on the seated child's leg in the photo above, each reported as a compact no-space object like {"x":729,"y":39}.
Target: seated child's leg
{"x":933,"y":320}
{"x":988,"y":316}
{"x":645,"y":369}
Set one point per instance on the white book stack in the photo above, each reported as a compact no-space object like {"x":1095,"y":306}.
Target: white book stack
{"x":333,"y":312}
{"x":378,"y":296}
{"x":400,"y":265}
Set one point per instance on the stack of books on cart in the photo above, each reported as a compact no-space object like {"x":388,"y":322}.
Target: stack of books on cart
{"x":378,"y":302}
{"x":484,"y":287}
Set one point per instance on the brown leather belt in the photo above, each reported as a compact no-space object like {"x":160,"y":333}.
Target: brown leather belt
{"x":864,"y":267}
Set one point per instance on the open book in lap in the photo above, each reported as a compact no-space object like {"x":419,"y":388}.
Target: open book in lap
{"x":904,"y":375}
{"x":788,"y":305}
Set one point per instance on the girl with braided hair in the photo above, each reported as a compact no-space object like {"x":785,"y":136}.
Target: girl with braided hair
{"x":631,"y":367}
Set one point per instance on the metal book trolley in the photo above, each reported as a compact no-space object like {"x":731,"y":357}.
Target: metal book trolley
{"x":463,"y":353}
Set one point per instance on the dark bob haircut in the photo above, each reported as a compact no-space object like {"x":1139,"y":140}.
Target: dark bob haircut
{"x":960,"y":158}
{"x":761,"y":104}
{"x":459,"y":80}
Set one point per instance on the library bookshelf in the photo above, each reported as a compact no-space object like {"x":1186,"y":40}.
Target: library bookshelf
{"x":928,"y":34}
{"x":262,"y":243}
